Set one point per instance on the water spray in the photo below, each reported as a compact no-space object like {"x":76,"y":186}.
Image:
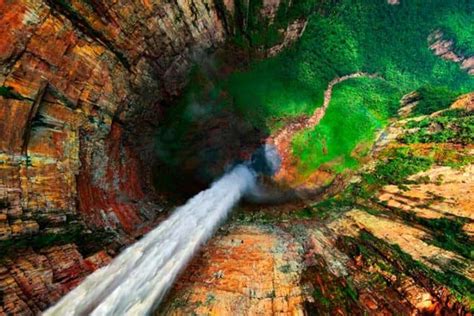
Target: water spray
{"x":136,"y":281}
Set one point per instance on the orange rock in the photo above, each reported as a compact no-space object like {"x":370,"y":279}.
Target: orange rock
{"x":31,"y":281}
{"x":465,"y":101}
{"x":259,"y":276}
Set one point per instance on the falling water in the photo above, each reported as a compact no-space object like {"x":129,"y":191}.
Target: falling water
{"x":136,"y":281}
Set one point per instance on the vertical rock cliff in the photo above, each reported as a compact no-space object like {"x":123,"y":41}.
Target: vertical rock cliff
{"x":75,"y":76}
{"x":82,"y":84}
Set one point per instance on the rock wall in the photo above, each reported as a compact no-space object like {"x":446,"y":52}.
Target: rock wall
{"x":446,"y":49}
{"x":76,"y":76}
{"x":82,"y":83}
{"x":33,"y":281}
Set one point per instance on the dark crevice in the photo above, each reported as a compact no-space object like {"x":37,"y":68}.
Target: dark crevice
{"x":10,"y":93}
{"x":101,"y":10}
{"x":32,"y":115}
{"x":222,"y":14}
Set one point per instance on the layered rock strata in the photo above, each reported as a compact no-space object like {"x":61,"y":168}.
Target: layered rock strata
{"x":404,"y":249}
{"x":82,"y":88}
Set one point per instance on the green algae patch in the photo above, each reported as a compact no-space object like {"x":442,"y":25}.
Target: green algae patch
{"x":10,"y":93}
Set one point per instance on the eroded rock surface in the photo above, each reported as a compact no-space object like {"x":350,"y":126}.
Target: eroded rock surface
{"x":251,"y":270}
{"x":32,"y":281}
{"x":403,"y":249}
{"x":81,"y":73}
{"x":82,"y":88}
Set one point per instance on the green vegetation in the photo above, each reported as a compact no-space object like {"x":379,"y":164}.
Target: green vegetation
{"x":348,"y":37}
{"x":210,"y":299}
{"x":453,"y":126}
{"x":351,"y":291}
{"x":254,"y":31}
{"x":461,"y":287}
{"x":449,"y":234}
{"x":401,"y":164}
{"x":446,"y":232}
{"x":346,"y":125}
{"x":319,"y":297}
{"x":454,"y":28}
{"x":285,"y":268}
{"x":329,"y":292}
{"x":324,"y":209}
{"x":433,"y":99}
{"x":340,"y":38}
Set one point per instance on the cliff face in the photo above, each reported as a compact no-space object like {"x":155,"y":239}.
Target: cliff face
{"x":397,"y":241}
{"x":84,"y":85}
{"x":76,"y":75}
{"x":33,"y":281}
{"x":81,"y":88}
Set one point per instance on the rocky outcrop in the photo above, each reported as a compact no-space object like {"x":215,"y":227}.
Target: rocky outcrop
{"x":396,"y":249}
{"x":82,"y":88}
{"x":80,"y":74}
{"x":292,"y":33}
{"x":464,"y":102}
{"x":446,"y":49}
{"x":251,"y":270}
{"x":31,"y":281}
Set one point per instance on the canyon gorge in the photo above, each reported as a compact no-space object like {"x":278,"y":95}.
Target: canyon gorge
{"x":115,"y":116}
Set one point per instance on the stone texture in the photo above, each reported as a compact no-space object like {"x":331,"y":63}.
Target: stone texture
{"x":446,"y":49}
{"x":448,"y":193}
{"x":32,"y":281}
{"x":250,"y":271}
{"x":85,"y":70}
{"x":88,"y":82}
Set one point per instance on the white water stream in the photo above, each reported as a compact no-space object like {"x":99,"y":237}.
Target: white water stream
{"x":136,"y":281}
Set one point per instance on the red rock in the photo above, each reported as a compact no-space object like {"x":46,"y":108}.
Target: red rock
{"x":33,"y":281}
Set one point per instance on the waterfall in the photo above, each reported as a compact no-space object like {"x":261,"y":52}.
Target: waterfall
{"x":136,"y":281}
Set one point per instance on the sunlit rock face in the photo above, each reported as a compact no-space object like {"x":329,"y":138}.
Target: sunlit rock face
{"x":250,"y":270}
{"x":85,"y":86}
{"x":78,"y":79}
{"x":82,"y":83}
{"x":83,"y":73}
{"x":34,"y":280}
